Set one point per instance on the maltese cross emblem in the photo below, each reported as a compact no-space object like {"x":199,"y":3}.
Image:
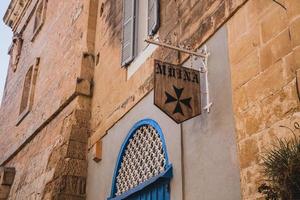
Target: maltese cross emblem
{"x":170,"y":99}
{"x":177,"y":91}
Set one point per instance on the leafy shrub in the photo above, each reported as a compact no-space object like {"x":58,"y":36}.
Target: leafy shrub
{"x":281,"y":167}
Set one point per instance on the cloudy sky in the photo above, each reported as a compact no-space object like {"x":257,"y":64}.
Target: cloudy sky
{"x":5,"y":41}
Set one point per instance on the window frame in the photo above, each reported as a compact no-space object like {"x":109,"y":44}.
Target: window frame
{"x":134,"y":54}
{"x":126,"y":61}
{"x":37,"y":28}
{"x":31,"y":91}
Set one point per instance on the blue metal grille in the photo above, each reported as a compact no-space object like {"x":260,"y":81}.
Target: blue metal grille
{"x":143,"y":171}
{"x":144,"y":158}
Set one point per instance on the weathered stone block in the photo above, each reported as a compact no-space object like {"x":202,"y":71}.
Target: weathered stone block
{"x":295,"y":30}
{"x":82,"y":117}
{"x":265,"y":84}
{"x":77,"y":150}
{"x":244,"y":45}
{"x":245,"y":70}
{"x":74,"y":185}
{"x":293,"y":8}
{"x":56,"y":156}
{"x":240,"y":101}
{"x":79,"y":134}
{"x":256,"y":9}
{"x":239,"y":127}
{"x":280,"y":105}
{"x":275,"y":49}
{"x":273,"y":23}
{"x":237,"y":26}
{"x":296,"y":52}
{"x":248,"y":152}
{"x":83,"y":87}
{"x":253,"y":119}
{"x":73,"y":167}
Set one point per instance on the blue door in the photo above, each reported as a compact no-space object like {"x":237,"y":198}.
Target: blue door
{"x":142,"y":171}
{"x":155,"y":192}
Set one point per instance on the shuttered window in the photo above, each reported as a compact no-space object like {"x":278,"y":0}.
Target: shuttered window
{"x":129,"y":12}
{"x":153,"y":18}
{"x":133,"y":27}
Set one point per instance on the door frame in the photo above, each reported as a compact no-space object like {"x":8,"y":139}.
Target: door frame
{"x":163,"y":177}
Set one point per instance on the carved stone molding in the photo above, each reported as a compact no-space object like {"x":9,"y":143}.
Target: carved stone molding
{"x":15,"y":12}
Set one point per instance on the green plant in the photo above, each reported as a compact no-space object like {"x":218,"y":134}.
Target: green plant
{"x":281,"y":167}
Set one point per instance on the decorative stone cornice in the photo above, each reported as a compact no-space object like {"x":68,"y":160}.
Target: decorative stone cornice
{"x":15,"y":12}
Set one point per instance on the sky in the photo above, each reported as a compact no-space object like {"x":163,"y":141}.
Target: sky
{"x":5,"y":41}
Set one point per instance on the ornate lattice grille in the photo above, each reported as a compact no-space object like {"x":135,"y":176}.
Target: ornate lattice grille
{"x":144,"y":158}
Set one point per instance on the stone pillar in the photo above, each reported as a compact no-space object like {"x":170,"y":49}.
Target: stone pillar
{"x":70,"y":160}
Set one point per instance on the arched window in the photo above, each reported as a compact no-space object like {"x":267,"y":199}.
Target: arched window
{"x":143,"y":171}
{"x":26,"y":91}
{"x":38,"y":16}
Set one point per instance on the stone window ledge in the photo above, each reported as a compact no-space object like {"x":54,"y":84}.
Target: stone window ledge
{"x":22,"y":116}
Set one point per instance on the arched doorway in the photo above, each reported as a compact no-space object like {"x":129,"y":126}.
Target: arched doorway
{"x":143,"y":171}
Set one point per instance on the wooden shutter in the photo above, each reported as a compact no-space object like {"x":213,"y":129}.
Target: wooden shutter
{"x":128,"y":31}
{"x":153,"y":16}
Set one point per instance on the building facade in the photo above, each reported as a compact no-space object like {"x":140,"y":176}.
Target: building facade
{"x":78,"y":119}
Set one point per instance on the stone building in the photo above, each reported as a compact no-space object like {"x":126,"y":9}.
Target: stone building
{"x":78,"y":119}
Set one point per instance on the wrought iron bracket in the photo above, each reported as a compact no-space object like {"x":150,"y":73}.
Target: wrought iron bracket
{"x":162,"y":44}
{"x":204,"y":69}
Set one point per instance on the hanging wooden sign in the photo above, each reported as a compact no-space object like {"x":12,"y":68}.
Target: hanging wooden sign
{"x":177,"y":91}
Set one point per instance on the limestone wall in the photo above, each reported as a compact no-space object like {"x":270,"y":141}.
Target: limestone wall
{"x":49,"y":159}
{"x":60,"y":46}
{"x":264,"y":56}
{"x":48,"y":148}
